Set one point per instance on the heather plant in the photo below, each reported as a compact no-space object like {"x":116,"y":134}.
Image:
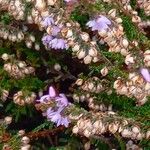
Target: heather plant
{"x":74,"y":74}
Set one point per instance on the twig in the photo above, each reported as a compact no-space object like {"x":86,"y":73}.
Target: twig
{"x":45,"y":133}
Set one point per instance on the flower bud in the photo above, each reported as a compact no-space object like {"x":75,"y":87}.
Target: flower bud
{"x":22,"y":64}
{"x":5,"y":56}
{"x":40,"y":5}
{"x":112,"y":13}
{"x":25,"y":140}
{"x":81,"y":54}
{"x":8,"y":120}
{"x":37,"y":47}
{"x":79,"y":82}
{"x":125,"y":43}
{"x":21,"y":132}
{"x":87,"y":59}
{"x":85,"y":37}
{"x":93,"y":52}
{"x":26,"y":147}
{"x":57,"y":67}
{"x":104,"y":71}
{"x":76,"y":48}
{"x":32,"y":38}
{"x":75,"y":129}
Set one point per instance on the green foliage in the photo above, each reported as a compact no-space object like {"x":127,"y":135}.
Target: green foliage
{"x":133,"y":3}
{"x":5,"y":18}
{"x":126,"y":107}
{"x":19,"y":111}
{"x":45,"y":125}
{"x":81,"y":18}
{"x":130,"y":29}
{"x":101,"y":145}
{"x":29,"y":83}
{"x":115,"y":65}
{"x":4,"y":50}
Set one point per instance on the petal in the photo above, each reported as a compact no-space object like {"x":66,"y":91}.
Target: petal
{"x":62,"y":99}
{"x":55,"y":30}
{"x":52,"y":92}
{"x":102,"y":26}
{"x":145,"y":73}
{"x":50,"y":113}
{"x":48,"y":21}
{"x":56,"y":117}
{"x":91,"y":23}
{"x":104,"y":20}
{"x":65,"y":122}
{"x":59,"y":122}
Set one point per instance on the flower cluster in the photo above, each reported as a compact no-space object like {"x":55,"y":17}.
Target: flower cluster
{"x":18,"y":69}
{"x":92,"y":85}
{"x":98,"y":126}
{"x":21,"y":98}
{"x":56,"y":113}
{"x":51,"y":40}
{"x":92,"y":103}
{"x":11,"y":34}
{"x":136,"y":86}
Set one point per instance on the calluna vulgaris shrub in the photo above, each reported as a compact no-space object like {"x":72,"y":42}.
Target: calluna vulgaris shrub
{"x":74,"y":74}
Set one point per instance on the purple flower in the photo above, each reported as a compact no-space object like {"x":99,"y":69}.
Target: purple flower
{"x":48,"y":21}
{"x":56,"y":117}
{"x":48,"y":112}
{"x":51,"y":95}
{"x":58,"y":44}
{"x":145,"y":73}
{"x":55,"y":30}
{"x":46,"y":39}
{"x":54,"y":113}
{"x":101,"y":23}
{"x":62,"y":100}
